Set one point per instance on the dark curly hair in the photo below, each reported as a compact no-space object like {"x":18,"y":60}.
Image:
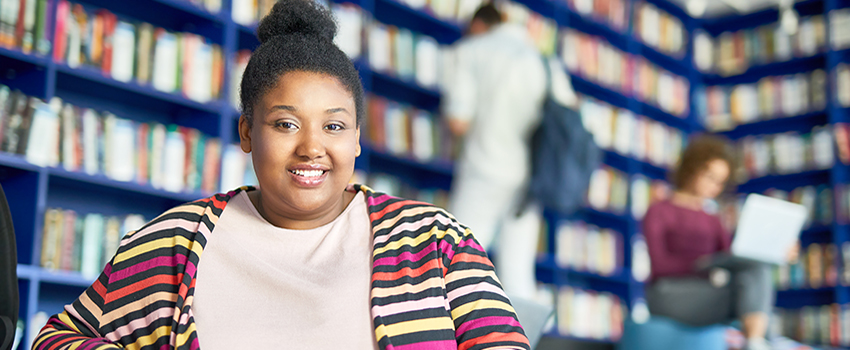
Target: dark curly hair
{"x":297,"y":35}
{"x":700,"y":151}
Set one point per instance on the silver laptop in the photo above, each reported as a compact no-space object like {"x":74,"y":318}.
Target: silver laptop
{"x":767,"y":229}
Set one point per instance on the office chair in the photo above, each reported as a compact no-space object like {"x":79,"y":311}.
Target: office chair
{"x":9,"y":301}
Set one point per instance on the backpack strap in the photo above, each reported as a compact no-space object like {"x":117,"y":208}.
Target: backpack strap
{"x":548,"y":70}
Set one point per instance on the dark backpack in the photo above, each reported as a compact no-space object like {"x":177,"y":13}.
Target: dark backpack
{"x":563,"y":156}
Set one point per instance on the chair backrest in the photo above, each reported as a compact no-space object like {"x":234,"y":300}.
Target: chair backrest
{"x":9,"y":301}
{"x":533,"y":318}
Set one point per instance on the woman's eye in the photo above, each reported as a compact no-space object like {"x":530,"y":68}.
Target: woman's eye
{"x":285,"y":125}
{"x":335,"y":127}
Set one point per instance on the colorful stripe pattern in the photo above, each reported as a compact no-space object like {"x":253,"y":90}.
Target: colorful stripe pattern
{"x":433,"y":286}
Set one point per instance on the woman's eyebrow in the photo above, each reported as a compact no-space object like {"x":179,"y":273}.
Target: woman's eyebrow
{"x":285,"y":108}
{"x":336,"y":110}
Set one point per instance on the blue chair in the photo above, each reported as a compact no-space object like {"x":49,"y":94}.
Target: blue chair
{"x":662,"y":333}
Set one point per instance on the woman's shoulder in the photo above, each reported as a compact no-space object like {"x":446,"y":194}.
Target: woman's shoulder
{"x":387,"y":211}
{"x":184,"y":220}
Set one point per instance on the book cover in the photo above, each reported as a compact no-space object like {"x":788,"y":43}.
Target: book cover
{"x":212,"y":165}
{"x":123,"y":52}
{"x":174,"y":158}
{"x":52,"y":220}
{"x":42,"y":43}
{"x":142,"y":151}
{"x":60,"y":39}
{"x":165,"y":61}
{"x":91,"y":131}
{"x":68,"y":236}
{"x":111,"y":237}
{"x":144,"y":52}
{"x":70,"y":138}
{"x":110,"y":23}
{"x":156,"y":156}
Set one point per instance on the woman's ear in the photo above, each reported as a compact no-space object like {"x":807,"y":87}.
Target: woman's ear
{"x":357,"y":147}
{"x":245,"y":133}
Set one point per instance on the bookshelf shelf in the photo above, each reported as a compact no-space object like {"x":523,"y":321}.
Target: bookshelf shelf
{"x":788,"y":181}
{"x":548,"y":263}
{"x":660,"y":115}
{"x":796,"y":298}
{"x":756,"y":72}
{"x":17,"y":162}
{"x":68,"y":278}
{"x":398,"y":89}
{"x":679,"y":66}
{"x":599,"y":92}
{"x":419,"y":20}
{"x":801,"y":123}
{"x":22,"y":57}
{"x":652,"y":171}
{"x":590,"y":26}
{"x":132,"y":90}
{"x":107,"y":183}
{"x":193,"y":9}
{"x":441,"y":168}
{"x":616,"y":160}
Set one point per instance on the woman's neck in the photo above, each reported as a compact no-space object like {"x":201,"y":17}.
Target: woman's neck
{"x":687,"y":200}
{"x":299,"y":221}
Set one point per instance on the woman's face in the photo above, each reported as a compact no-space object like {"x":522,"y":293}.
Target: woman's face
{"x":710,"y":182}
{"x":304,"y":140}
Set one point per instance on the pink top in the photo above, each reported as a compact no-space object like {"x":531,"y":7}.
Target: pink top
{"x":678,"y":236}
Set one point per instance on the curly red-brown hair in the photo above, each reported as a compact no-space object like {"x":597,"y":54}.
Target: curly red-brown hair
{"x":700,"y":151}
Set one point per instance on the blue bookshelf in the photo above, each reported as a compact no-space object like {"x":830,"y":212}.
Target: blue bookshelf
{"x":34,"y":189}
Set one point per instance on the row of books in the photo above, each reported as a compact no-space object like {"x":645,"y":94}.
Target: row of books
{"x":818,"y":200}
{"x":394,"y":186}
{"x":659,"y":29}
{"x":827,"y":325}
{"x":645,"y":192}
{"x":408,"y":132}
{"x":80,"y":139}
{"x":237,"y":67}
{"x":640,"y":137}
{"x":839,"y":28}
{"x":816,"y":267}
{"x":786,"y":153}
{"x":594,"y":59}
{"x":249,"y":12}
{"x":401,"y":52}
{"x":734,"y":52}
{"x":608,"y":190}
{"x":582,"y":247}
{"x":724,"y":107}
{"x":842,"y":84}
{"x":83,"y":243}
{"x":589,"y":315}
{"x":24,"y":25}
{"x":612,"y":13}
{"x":128,"y":51}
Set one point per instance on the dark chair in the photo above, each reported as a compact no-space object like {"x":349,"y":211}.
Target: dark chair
{"x":9,"y":301}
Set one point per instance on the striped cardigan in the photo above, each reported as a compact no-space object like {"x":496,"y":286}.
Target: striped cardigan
{"x":433,"y":286}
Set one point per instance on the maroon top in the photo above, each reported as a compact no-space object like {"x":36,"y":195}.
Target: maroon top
{"x":678,"y":236}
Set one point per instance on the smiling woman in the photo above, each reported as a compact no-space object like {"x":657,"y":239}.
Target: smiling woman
{"x":305,"y":260}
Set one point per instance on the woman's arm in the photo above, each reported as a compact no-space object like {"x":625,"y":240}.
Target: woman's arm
{"x":482,"y":314}
{"x":663,"y":261}
{"x":78,"y":325}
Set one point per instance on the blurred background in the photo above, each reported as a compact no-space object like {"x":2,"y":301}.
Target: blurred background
{"x":125,"y":82}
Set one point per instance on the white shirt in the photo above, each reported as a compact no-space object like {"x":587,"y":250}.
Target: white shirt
{"x":498,"y":85}
{"x":265,"y":287}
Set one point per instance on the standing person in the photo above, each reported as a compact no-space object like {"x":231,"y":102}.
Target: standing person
{"x":305,"y":261}
{"x":682,"y":235}
{"x":494,"y":103}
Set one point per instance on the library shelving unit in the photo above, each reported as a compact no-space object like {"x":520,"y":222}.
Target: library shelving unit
{"x":836,"y":233}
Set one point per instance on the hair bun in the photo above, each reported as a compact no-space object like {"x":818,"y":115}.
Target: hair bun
{"x":304,"y":17}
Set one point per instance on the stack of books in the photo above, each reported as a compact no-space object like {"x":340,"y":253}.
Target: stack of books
{"x":24,"y":26}
{"x":839,"y":28}
{"x":407,"y":132}
{"x":589,"y":314}
{"x":734,"y":52}
{"x":786,"y":153}
{"x":169,"y":157}
{"x":83,"y":243}
{"x":593,"y":58}
{"x":127,"y":51}
{"x":659,"y":29}
{"x":724,"y":107}
{"x":645,"y":192}
{"x":582,"y":247}
{"x":827,"y":325}
{"x":608,"y":190}
{"x":633,"y":136}
{"x":612,"y":13}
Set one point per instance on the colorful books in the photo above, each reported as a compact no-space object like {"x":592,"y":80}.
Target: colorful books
{"x":659,"y":29}
{"x":613,"y":13}
{"x":590,"y":315}
{"x":183,"y":63}
{"x":608,"y":190}
{"x":839,"y":28}
{"x":725,"y":107}
{"x":24,"y":25}
{"x":827,"y":325}
{"x":582,"y":247}
{"x":407,"y":132}
{"x":785,"y":153}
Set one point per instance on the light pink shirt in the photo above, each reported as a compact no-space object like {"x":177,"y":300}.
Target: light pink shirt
{"x":265,"y":287}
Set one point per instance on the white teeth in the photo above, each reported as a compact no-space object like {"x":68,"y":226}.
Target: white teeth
{"x":308,"y":173}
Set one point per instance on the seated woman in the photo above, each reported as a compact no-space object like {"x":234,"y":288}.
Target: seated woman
{"x":682,"y":235}
{"x":305,"y":261}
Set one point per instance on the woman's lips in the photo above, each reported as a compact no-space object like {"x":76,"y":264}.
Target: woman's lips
{"x":308,"y":177}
